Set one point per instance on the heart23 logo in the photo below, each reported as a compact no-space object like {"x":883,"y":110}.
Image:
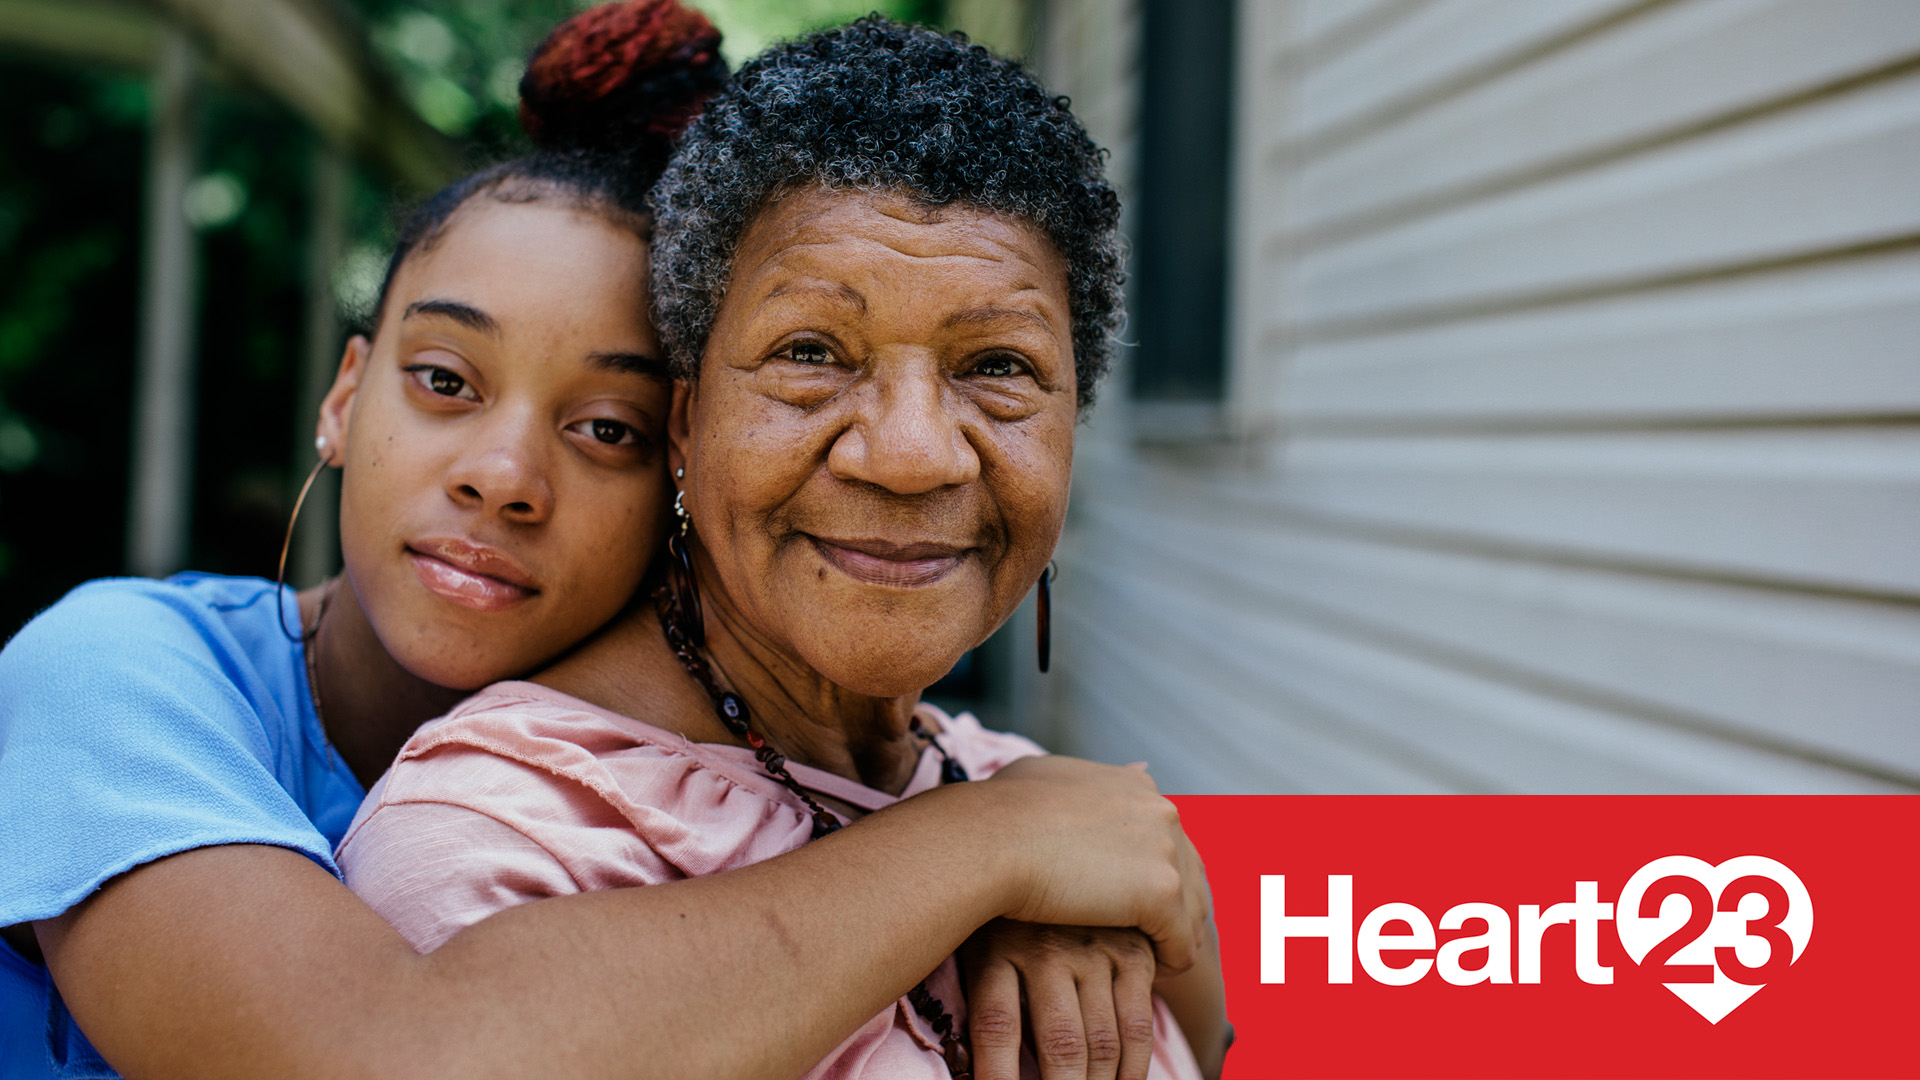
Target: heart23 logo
{"x":1713,"y":935}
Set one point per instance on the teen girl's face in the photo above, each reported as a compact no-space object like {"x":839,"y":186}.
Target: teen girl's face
{"x":503,"y":440}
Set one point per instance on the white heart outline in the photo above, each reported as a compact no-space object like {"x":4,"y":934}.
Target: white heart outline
{"x":1714,"y":1000}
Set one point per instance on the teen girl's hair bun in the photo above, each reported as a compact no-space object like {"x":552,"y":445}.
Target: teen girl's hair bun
{"x":605,"y":98}
{"x":623,"y":78}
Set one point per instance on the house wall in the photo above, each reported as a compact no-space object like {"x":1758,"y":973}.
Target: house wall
{"x":1572,"y":441}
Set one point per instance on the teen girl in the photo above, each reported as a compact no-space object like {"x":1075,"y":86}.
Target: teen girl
{"x":177,"y":758}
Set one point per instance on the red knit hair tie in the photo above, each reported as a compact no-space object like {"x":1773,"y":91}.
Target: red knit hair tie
{"x":598,"y":53}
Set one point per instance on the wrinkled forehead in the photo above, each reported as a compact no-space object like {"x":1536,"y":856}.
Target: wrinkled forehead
{"x":822,"y":226}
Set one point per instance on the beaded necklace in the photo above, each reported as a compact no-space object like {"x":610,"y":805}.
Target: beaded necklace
{"x":732,"y":710}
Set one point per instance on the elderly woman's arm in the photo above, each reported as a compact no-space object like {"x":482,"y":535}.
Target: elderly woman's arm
{"x":1198,"y":999}
{"x":1088,"y":1001}
{"x":247,"y":961}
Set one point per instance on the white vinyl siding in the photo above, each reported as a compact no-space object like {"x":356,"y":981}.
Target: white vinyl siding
{"x":1575,"y":415}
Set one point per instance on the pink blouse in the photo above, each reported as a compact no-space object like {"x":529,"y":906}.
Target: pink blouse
{"x":523,"y":792}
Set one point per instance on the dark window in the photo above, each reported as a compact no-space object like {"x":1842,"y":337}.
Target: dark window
{"x":1180,"y":257}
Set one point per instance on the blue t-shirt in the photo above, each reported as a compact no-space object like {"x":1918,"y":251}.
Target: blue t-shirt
{"x":139,"y":719}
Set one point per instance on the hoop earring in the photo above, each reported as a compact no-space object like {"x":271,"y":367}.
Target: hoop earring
{"x":280,"y":575}
{"x":1043,"y":617}
{"x":680,"y":580}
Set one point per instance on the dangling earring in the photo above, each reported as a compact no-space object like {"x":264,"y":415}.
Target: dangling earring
{"x":686,"y":594}
{"x":1043,"y":617}
{"x":280,"y":575}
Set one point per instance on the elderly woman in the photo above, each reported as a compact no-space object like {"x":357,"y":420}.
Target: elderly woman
{"x":886,"y":270}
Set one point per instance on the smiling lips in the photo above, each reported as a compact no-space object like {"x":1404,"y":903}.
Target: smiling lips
{"x":470,"y":575}
{"x":899,"y":566}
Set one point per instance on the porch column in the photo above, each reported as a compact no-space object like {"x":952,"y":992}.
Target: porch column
{"x":159,"y":516}
{"x":316,"y":543}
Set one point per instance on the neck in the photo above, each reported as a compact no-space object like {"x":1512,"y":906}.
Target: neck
{"x":630,"y":669}
{"x":806,"y":716}
{"x":369,"y":704}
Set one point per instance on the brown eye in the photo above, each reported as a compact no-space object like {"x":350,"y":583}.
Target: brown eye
{"x":810,"y":354}
{"x":606,"y":431}
{"x":442,"y":382}
{"x":612,"y":432}
{"x":999,"y":367}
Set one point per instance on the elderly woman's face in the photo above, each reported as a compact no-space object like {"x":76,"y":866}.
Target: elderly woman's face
{"x":879,"y":446}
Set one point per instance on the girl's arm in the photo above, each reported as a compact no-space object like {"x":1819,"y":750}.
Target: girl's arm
{"x":246,"y":961}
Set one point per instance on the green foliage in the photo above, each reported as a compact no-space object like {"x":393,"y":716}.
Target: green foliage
{"x":71,"y":227}
{"x":51,"y":278}
{"x":459,"y":61}
{"x":251,"y":340}
{"x":72,"y":166}
{"x":70,"y":161}
{"x":752,"y":25}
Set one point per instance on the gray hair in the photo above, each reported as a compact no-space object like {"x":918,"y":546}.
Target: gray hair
{"x":877,"y":105}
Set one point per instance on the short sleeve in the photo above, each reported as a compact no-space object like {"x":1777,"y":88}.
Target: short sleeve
{"x":133,"y":726}
{"x":522,"y":793}
{"x":433,"y":869}
{"x":980,"y":749}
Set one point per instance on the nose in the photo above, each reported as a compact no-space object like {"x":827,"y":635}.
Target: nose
{"x":501,"y":470}
{"x":909,"y":436}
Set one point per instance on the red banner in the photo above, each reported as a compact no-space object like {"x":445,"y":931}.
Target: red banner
{"x":1569,"y":937}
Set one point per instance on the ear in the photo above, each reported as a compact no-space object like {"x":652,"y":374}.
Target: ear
{"x":336,"y":409}
{"x":680,"y":424}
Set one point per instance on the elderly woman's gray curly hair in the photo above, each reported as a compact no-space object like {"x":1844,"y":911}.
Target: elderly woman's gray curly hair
{"x":881,"y":106}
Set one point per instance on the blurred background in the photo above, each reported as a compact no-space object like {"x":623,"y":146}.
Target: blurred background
{"x":1521,"y":395}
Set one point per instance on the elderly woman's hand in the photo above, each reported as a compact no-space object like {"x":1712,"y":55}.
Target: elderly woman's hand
{"x":1088,"y":994}
{"x":1100,"y":846}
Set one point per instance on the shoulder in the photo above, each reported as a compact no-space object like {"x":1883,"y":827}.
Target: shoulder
{"x":980,"y":749}
{"x":510,"y":752}
{"x":126,"y":621}
{"x":194,"y":658}
{"x":189,"y":595}
{"x":207,"y":646}
{"x":548,"y":738}
{"x":141,"y":718}
{"x":614,"y":799}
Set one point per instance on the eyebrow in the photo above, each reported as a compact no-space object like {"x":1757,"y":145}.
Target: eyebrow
{"x":630,"y":364}
{"x":995,"y":314}
{"x":839,"y":291}
{"x":465,"y":314}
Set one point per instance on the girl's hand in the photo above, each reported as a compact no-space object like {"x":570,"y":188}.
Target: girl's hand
{"x":1088,"y":1000}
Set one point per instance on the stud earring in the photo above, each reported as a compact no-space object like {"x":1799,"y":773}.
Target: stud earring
{"x":680,"y":473}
